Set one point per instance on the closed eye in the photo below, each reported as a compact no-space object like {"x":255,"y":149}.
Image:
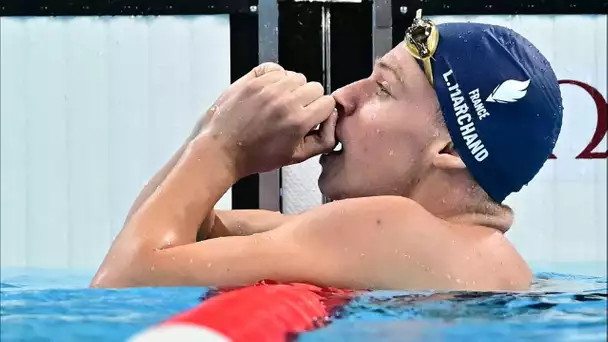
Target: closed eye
{"x":382,"y":90}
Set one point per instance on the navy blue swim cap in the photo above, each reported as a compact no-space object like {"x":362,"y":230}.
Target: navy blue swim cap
{"x":501,"y":103}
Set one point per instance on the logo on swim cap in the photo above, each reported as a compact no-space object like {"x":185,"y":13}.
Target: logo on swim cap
{"x":509,"y":91}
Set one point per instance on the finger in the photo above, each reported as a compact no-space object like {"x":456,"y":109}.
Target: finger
{"x":321,"y":141}
{"x":267,"y":79}
{"x":292,"y":82}
{"x":317,"y":112}
{"x":258,"y":71}
{"x":265,"y":68}
{"x":308,"y":93}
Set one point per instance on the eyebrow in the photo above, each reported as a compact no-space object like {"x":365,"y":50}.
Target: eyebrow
{"x":384,"y":65}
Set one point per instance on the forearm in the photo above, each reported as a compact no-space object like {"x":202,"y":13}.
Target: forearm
{"x":156,"y":181}
{"x":172,"y":214}
{"x":161,"y":174}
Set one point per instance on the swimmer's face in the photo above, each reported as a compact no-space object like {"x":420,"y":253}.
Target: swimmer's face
{"x":387,"y":122}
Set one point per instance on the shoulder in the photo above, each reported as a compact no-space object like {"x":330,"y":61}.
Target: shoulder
{"x":366,"y":211}
{"x":384,"y":220}
{"x":387,"y":205}
{"x":378,"y":239}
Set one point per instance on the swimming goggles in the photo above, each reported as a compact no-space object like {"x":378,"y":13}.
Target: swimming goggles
{"x":421,"y":40}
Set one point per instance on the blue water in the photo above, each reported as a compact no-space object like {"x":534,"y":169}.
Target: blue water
{"x":38,"y":305}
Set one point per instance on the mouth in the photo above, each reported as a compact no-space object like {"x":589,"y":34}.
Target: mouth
{"x":338,"y":149}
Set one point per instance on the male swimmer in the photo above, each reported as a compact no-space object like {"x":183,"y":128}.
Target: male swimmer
{"x":417,"y":189}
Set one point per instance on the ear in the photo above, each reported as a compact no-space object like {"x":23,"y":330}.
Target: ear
{"x":446,"y":157}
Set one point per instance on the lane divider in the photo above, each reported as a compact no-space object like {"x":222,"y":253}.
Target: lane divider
{"x":265,"y":312}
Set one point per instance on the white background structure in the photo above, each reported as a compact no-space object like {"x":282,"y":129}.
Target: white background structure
{"x":92,"y":107}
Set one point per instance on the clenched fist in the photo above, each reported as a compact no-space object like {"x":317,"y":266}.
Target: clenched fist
{"x":265,"y":120}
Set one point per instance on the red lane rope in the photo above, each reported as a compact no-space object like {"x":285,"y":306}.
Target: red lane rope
{"x":265,"y":312}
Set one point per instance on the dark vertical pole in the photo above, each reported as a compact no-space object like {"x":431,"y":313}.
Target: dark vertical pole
{"x":243,"y":58}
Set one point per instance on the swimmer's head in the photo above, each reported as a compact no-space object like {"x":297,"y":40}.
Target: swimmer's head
{"x":489,"y":118}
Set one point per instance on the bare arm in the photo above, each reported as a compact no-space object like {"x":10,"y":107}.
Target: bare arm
{"x":171,"y":215}
{"x":161,"y":174}
{"x":155,"y":181}
{"x":222,"y":223}
{"x":333,"y":245}
{"x":218,"y":223}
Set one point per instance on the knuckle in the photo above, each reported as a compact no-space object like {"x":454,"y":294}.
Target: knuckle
{"x":279,"y":105}
{"x":317,"y":87}
{"x":300,"y":78}
{"x":267,"y":67}
{"x":329,"y":100}
{"x":253,"y":88}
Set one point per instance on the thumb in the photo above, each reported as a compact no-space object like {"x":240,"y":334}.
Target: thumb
{"x":321,"y":141}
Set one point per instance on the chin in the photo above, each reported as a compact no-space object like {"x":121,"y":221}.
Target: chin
{"x":334,"y":191}
{"x":328,"y":189}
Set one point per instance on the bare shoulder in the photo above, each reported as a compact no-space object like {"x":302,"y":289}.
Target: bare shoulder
{"x":361,"y":219}
{"x":372,"y":242}
{"x":392,"y":242}
{"x":376,"y":210}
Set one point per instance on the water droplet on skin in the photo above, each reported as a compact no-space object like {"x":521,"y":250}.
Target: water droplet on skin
{"x":467,"y":258}
{"x":396,"y":251}
{"x":345,"y":249}
{"x":173,"y":258}
{"x":407,"y":256}
{"x":209,"y":264}
{"x":449,"y":276}
{"x":458,"y":281}
{"x":190,"y":260}
{"x":391,"y":153}
{"x":362,"y":255}
{"x":152,"y":268}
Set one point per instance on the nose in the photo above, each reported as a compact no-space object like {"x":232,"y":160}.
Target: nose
{"x":349,"y":97}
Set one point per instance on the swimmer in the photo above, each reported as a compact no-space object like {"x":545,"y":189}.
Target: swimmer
{"x":430,"y":150}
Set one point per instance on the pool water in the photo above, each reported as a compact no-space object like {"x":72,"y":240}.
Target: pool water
{"x":39,"y":305}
